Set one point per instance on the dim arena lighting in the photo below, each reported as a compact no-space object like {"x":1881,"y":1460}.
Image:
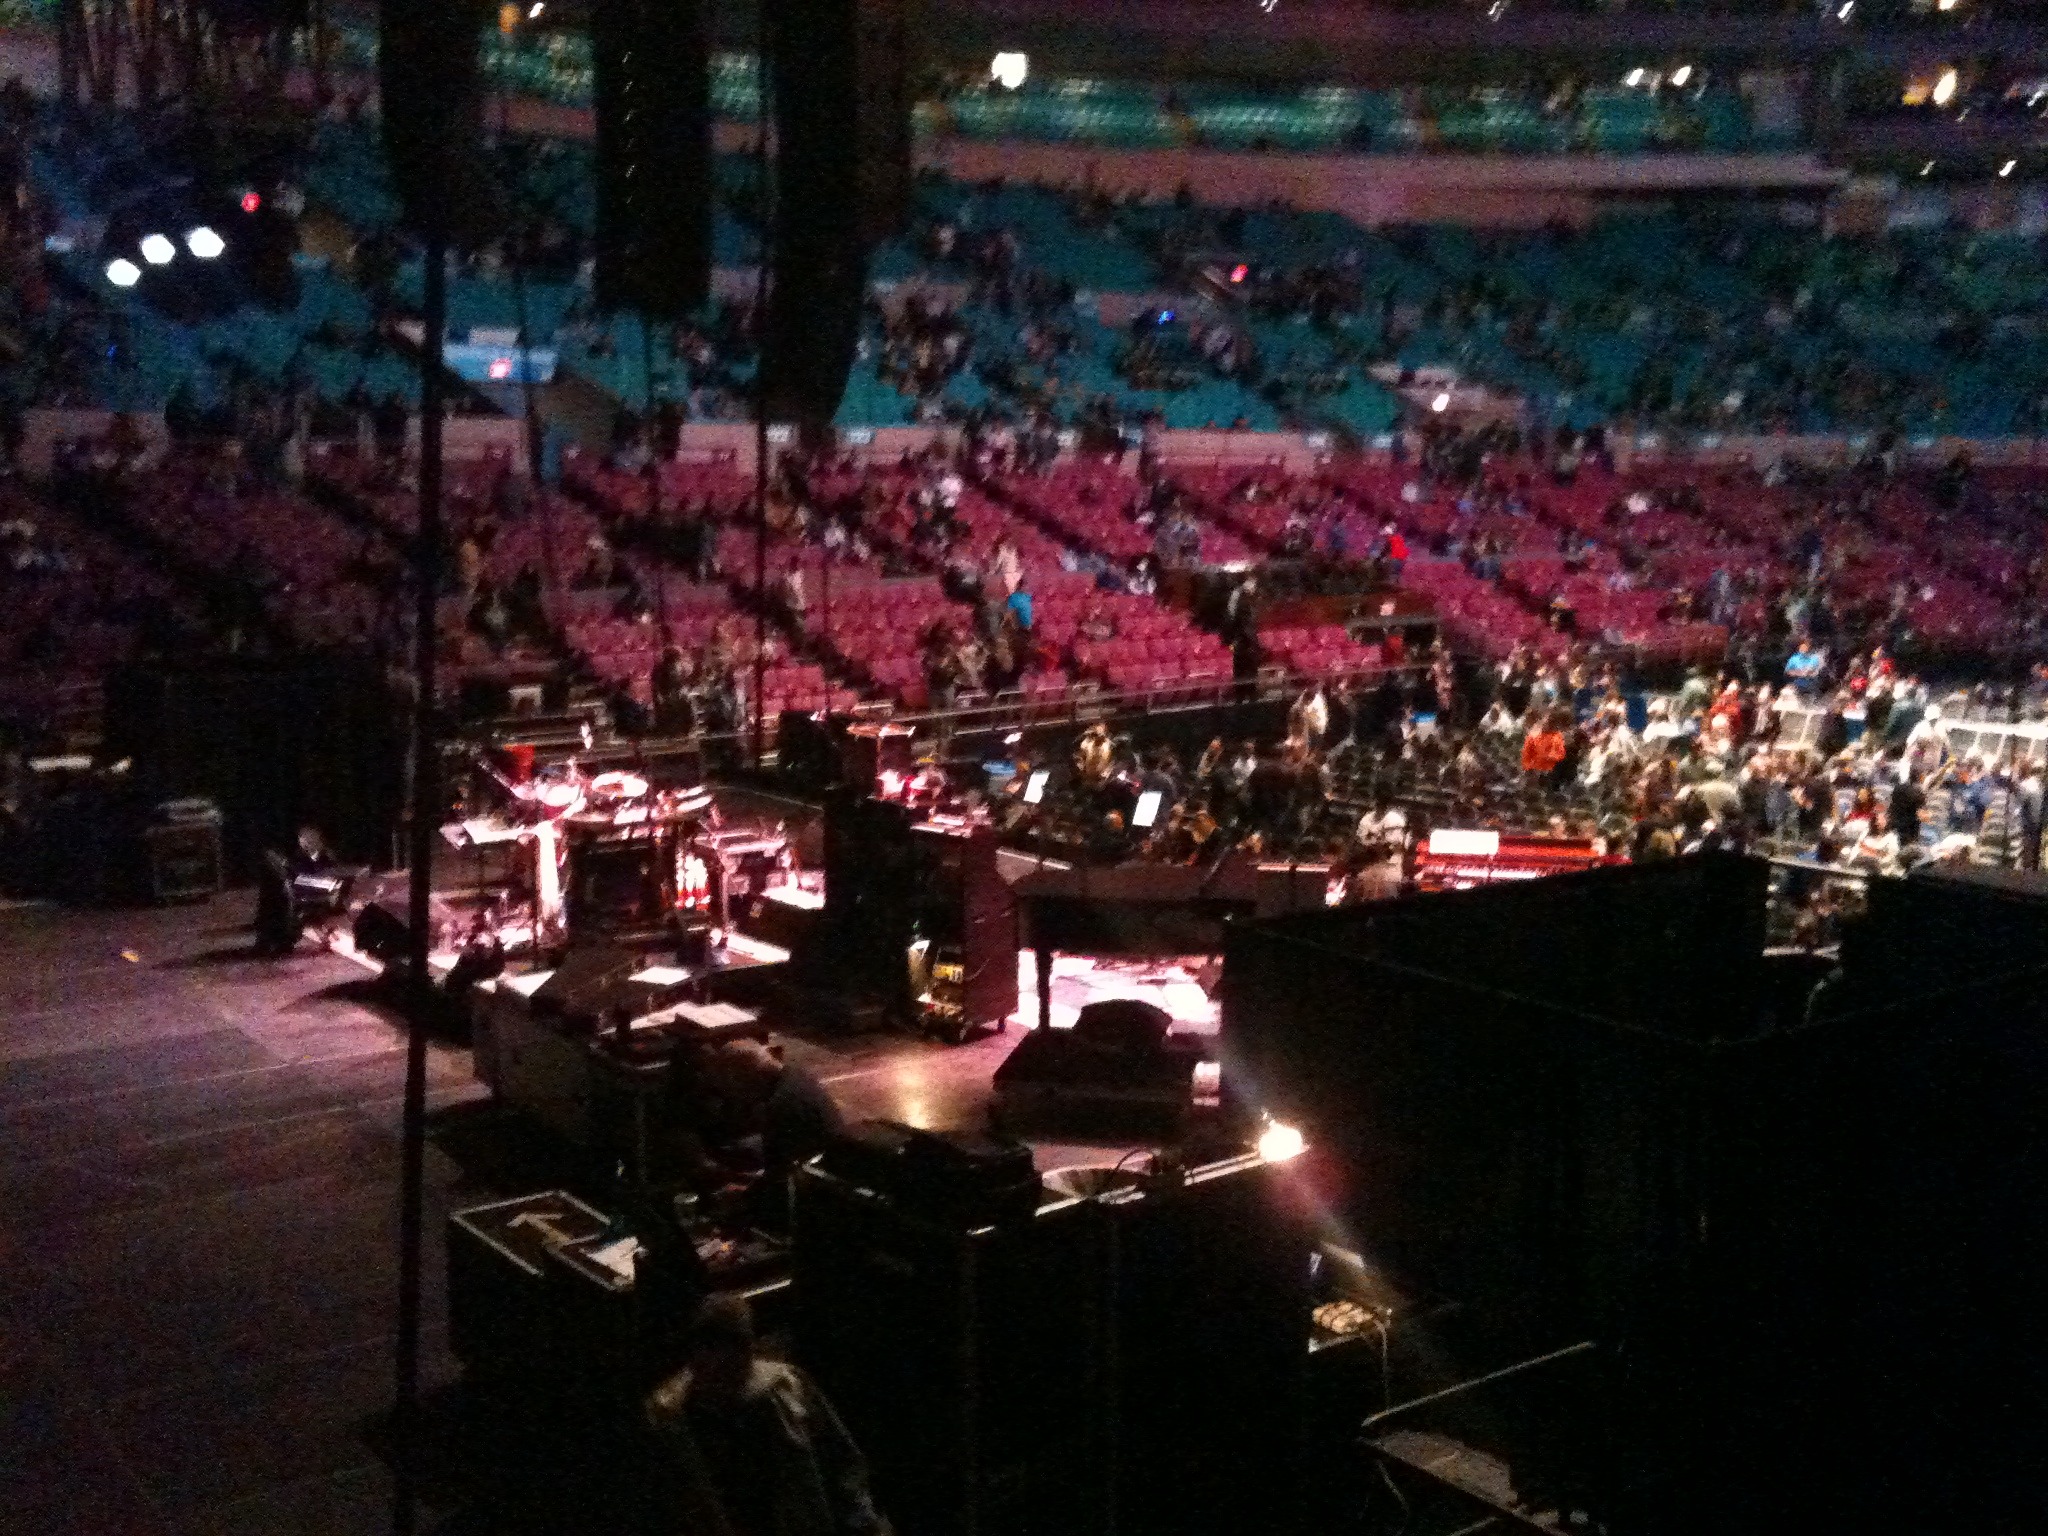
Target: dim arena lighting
{"x":157,"y":250}
{"x":1010,"y":70}
{"x":1279,"y":1143}
{"x":123,"y":273}
{"x":204,"y":243}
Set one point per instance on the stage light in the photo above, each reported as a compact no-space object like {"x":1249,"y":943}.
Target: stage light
{"x":1945,"y":87}
{"x":1927,"y":169}
{"x":1944,"y":5}
{"x":123,"y":273}
{"x":1239,"y":273}
{"x":251,"y":201}
{"x":1633,"y":79}
{"x":2007,"y":168}
{"x":1682,"y":76}
{"x":1278,"y":1143}
{"x":1010,"y":70}
{"x":1848,"y":9}
{"x":204,"y":243}
{"x":500,"y":368}
{"x":1442,"y":402}
{"x":534,"y":14}
{"x":157,"y":250}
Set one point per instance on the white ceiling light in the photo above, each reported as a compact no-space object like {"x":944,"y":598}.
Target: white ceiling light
{"x":1009,"y":70}
{"x":1633,"y":79}
{"x":1682,"y":76}
{"x":157,"y":250}
{"x":1945,"y":87}
{"x":1848,"y":9}
{"x":123,"y":273}
{"x":1442,"y":402}
{"x":2007,"y":168}
{"x":204,"y":243}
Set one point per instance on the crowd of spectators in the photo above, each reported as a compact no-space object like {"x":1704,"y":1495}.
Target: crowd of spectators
{"x":1558,"y":752}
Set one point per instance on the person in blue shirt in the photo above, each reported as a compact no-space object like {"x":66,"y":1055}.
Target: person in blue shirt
{"x":1803,"y":668}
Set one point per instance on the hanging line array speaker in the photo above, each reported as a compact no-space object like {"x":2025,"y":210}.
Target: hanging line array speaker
{"x":651,"y":61}
{"x":841,"y":72}
{"x":430,"y":92}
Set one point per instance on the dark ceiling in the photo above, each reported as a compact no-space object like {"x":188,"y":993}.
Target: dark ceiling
{"x":1343,"y":42}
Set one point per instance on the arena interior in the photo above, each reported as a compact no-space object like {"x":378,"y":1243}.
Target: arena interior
{"x":993,"y":767}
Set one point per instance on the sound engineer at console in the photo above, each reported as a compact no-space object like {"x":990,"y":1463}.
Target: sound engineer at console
{"x":770,"y":1116}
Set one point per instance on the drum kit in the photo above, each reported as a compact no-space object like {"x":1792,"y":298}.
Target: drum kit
{"x":569,"y":816}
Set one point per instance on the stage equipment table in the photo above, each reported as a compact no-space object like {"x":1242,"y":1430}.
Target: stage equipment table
{"x":542,"y":1293}
{"x":563,"y":1076}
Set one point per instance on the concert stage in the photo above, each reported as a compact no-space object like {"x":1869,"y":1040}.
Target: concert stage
{"x":200,"y":1154}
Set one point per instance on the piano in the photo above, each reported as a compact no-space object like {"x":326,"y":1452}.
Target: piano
{"x":1455,"y":859}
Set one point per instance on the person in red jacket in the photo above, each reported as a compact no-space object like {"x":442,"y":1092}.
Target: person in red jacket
{"x":1543,"y":748}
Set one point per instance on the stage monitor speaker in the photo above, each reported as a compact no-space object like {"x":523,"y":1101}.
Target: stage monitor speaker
{"x":1124,"y":1025}
{"x":841,"y":76}
{"x":586,"y":975}
{"x":430,"y":97}
{"x":382,"y":934}
{"x":651,"y":66}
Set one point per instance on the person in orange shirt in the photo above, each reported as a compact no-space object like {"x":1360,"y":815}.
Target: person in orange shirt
{"x":1542,"y":748}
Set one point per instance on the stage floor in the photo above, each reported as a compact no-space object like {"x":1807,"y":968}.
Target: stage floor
{"x":198,"y":1204}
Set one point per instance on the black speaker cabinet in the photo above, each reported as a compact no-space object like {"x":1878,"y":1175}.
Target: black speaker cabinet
{"x":184,"y":859}
{"x":961,"y":1358}
{"x":1131,"y":1364}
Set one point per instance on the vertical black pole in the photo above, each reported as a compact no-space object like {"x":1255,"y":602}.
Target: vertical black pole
{"x":522,"y":244}
{"x":760,"y":564}
{"x":424,"y":817}
{"x":769,"y":203}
